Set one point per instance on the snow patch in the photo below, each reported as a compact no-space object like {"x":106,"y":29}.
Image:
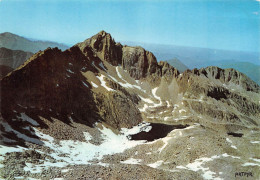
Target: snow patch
{"x":65,"y":170}
{"x":70,"y":71}
{"x":197,"y":166}
{"x":168,"y":104}
{"x":131,"y":161}
{"x":165,"y":141}
{"x":118,"y":74}
{"x":156,"y":164}
{"x":257,"y":160}
{"x":227,"y":155}
{"x":103,"y":82}
{"x":69,"y":152}
{"x":154,"y":93}
{"x":88,"y":136}
{"x":182,"y":110}
{"x":147,"y":100}
{"x":144,"y":108}
{"x":233,"y":146}
{"x":22,"y":106}
{"x":228,"y":140}
{"x":250,"y":164}
{"x":125,"y":84}
{"x":84,"y":84}
{"x":136,"y":129}
{"x":8,"y":128}
{"x":71,"y":120}
{"x":24,"y":117}
{"x":32,"y":168}
{"x":8,"y":149}
{"x":94,"y":85}
{"x":167,"y":118}
{"x":19,"y":177}
{"x":102,"y":66}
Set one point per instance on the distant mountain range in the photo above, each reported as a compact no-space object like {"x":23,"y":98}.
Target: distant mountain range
{"x":193,"y":57}
{"x":178,"y":56}
{"x":250,"y":69}
{"x":177,"y":64}
{"x":15,"y":50}
{"x":15,"y":42}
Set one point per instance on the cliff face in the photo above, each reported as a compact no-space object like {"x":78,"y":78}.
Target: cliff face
{"x":104,"y":47}
{"x":86,"y":96}
{"x":138,"y":62}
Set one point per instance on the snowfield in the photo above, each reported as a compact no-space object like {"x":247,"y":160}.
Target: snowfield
{"x":69,"y":152}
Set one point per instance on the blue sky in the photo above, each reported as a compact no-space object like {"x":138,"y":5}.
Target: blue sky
{"x":227,"y":24}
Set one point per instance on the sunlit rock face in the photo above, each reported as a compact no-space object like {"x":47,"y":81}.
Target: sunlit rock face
{"x":103,"y":110}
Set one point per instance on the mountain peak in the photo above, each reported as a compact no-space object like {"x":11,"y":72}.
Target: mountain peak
{"x":7,"y":33}
{"x":103,"y":33}
{"x":104,"y":46}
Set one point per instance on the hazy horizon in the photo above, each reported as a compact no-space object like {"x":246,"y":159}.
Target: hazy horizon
{"x":132,"y":43}
{"x":227,"y":25}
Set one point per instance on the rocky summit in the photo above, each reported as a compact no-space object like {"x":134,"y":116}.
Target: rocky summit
{"x":102,"y":110}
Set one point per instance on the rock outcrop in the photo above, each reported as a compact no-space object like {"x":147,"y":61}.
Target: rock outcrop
{"x":228,"y":76}
{"x":138,"y":62}
{"x":104,"y":47}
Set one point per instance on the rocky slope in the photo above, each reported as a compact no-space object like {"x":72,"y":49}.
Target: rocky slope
{"x":4,"y":70}
{"x":103,"y":110}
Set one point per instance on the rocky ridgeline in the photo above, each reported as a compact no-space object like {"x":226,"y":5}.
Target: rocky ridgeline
{"x":51,"y":84}
{"x":138,"y":62}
